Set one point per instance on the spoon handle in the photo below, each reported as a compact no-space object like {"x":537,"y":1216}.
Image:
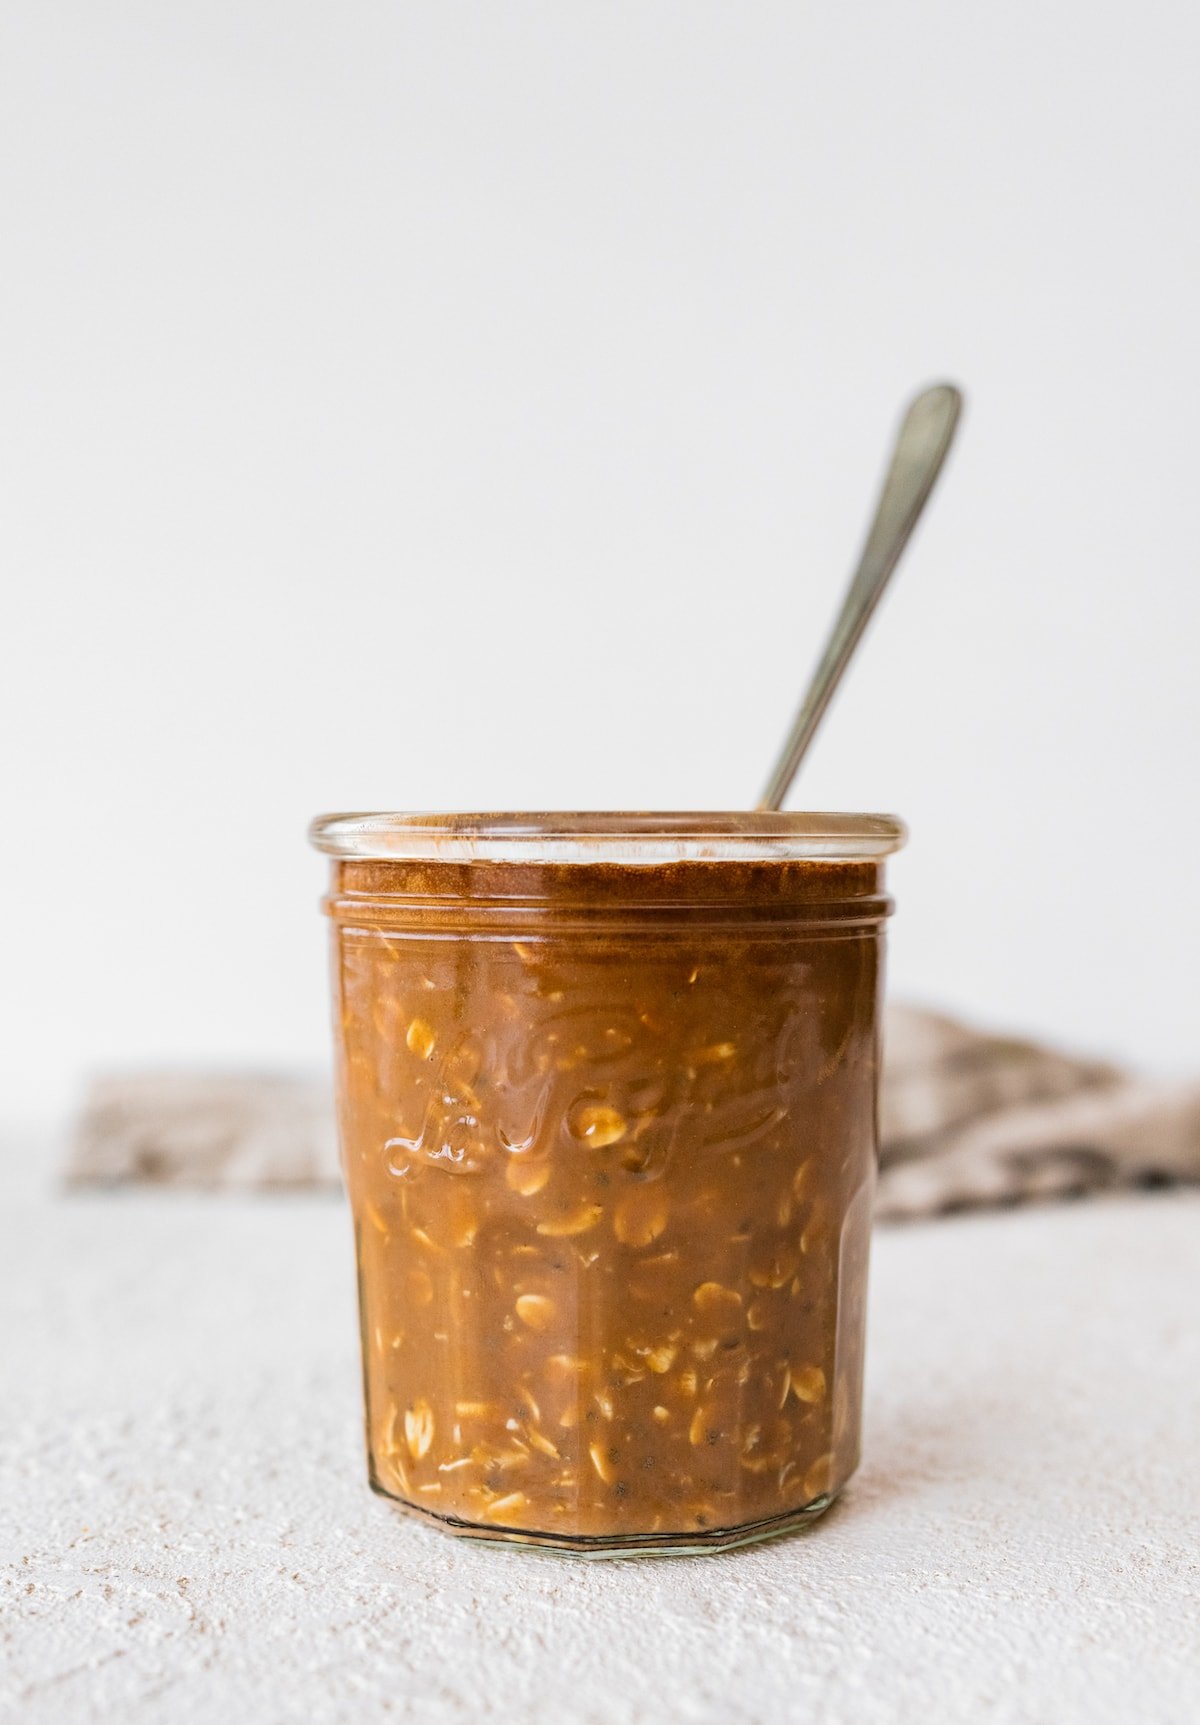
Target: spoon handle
{"x":922,"y":442}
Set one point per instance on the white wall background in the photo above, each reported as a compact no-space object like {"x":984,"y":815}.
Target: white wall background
{"x":443,"y":403}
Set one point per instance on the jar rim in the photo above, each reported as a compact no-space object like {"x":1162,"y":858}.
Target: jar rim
{"x":632,"y":837}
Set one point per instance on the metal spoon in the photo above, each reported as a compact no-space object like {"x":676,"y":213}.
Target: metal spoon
{"x":922,"y":442}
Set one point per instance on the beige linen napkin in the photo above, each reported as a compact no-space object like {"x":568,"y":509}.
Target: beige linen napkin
{"x":967,"y":1120}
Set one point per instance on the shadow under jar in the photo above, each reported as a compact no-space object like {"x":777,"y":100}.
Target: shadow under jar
{"x":607,"y":1097}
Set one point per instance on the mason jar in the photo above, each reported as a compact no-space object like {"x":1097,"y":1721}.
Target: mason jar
{"x":607,"y":1091}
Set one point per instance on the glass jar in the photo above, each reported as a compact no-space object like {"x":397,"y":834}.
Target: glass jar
{"x":607,"y":1097}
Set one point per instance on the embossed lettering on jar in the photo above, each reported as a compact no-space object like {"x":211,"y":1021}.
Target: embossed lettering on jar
{"x":608,"y":1125}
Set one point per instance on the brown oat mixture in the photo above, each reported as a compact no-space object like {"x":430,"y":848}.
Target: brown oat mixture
{"x":609,"y":1138}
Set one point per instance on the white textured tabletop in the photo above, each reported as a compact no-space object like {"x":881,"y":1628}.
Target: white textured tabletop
{"x":186,"y":1533}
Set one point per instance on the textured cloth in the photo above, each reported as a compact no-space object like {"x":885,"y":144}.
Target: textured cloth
{"x":211,"y":1130}
{"x":967,"y":1120}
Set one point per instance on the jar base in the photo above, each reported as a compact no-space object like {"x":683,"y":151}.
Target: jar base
{"x":595,"y":1546}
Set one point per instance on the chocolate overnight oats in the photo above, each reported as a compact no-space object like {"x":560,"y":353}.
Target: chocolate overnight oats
{"x":607,"y":1095}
